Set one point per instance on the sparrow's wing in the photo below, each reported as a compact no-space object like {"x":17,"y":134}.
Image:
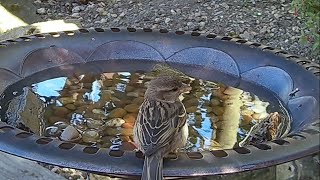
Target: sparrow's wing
{"x":157,"y":123}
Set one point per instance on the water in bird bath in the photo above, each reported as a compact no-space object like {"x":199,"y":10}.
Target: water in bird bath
{"x":100,"y":110}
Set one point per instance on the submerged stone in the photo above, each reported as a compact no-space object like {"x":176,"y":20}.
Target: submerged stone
{"x":26,"y":111}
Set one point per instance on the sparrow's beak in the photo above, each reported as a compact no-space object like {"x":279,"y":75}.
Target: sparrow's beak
{"x":185,"y":88}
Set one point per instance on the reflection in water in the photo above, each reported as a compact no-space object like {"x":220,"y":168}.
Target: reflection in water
{"x":100,"y":110}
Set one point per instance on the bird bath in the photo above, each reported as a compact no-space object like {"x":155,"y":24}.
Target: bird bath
{"x":235,"y":62}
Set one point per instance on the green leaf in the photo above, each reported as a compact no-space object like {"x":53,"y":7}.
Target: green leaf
{"x":316,"y":46}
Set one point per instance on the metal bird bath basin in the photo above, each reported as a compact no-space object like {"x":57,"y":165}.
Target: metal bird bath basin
{"x":232,"y":61}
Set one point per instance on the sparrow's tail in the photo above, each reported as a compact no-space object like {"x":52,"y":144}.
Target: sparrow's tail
{"x":152,"y":167}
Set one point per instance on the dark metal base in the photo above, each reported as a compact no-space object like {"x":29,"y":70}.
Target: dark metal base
{"x":236,"y":62}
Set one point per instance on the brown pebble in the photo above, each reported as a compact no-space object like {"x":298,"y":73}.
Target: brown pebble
{"x":127,"y":125}
{"x":110,"y":131}
{"x":217,"y":93}
{"x":71,"y":106}
{"x":79,"y":103}
{"x":119,"y":103}
{"x":105,"y":96}
{"x":66,"y":100}
{"x":107,"y":83}
{"x":60,"y":111}
{"x":191,"y":102}
{"x":132,"y":108}
{"x":74,"y":87}
{"x":192,"y":109}
{"x":126,"y":132}
{"x":117,"y":113}
{"x":129,"y":88}
{"x":127,"y":146}
{"x":130,"y":118}
{"x":120,"y":95}
{"x":98,"y":105}
{"x":138,"y":100}
{"x":215,"y":102}
{"x":106,"y":139}
{"x":117,"y":131}
{"x":83,"y":108}
{"x":218,"y":110}
{"x":64,"y":93}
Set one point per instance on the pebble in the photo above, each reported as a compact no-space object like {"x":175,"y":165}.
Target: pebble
{"x":225,"y":5}
{"x":215,"y":102}
{"x":117,"y":131}
{"x":127,"y":146}
{"x":94,"y":124}
{"x":248,"y":20}
{"x":260,"y":116}
{"x":246,"y":35}
{"x":157,"y":20}
{"x":70,"y":134}
{"x":103,"y":20}
{"x":130,"y":118}
{"x":61,"y":125}
{"x":190,"y":24}
{"x":122,"y":14}
{"x":116,"y":122}
{"x":127,"y":125}
{"x":41,"y":11}
{"x":71,"y":106}
{"x":117,"y":113}
{"x":66,"y":100}
{"x":138,"y":100}
{"x":191,"y":102}
{"x":52,"y":131}
{"x":98,"y":111}
{"x":132,"y":108}
{"x":202,"y":24}
{"x":233,"y":91}
{"x":191,"y":109}
{"x":60,"y":111}
{"x":76,"y":9}
{"x":167,"y":20}
{"x":133,"y":94}
{"x":90,"y":136}
{"x":218,"y":110}
{"x":114,"y":15}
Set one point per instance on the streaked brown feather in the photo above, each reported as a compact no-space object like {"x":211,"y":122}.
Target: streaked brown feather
{"x":157,"y":123}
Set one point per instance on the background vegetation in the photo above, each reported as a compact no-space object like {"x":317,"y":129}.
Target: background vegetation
{"x":310,"y":11}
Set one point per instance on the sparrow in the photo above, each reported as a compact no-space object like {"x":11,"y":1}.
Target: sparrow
{"x":161,"y":127}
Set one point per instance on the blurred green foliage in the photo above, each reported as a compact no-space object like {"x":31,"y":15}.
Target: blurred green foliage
{"x":310,"y":11}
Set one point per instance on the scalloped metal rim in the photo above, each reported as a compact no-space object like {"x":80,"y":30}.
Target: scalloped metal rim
{"x":17,"y":142}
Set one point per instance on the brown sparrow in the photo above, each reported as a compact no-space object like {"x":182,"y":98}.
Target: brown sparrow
{"x":161,"y":125}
